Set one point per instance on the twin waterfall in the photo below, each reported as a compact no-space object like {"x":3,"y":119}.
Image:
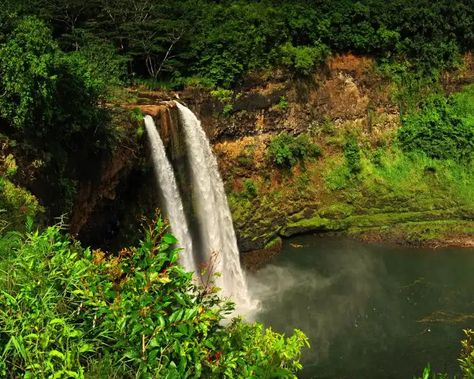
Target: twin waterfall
{"x":215,"y":230}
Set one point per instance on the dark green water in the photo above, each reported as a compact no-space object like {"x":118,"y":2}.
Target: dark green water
{"x":370,"y":310}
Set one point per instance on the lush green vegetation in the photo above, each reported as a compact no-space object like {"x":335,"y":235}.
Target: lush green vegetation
{"x":17,"y":206}
{"x":352,"y":155}
{"x":285,"y":150}
{"x":466,"y":360}
{"x":50,"y":109}
{"x":431,"y":155}
{"x":443,"y":129}
{"x":368,"y":182}
{"x":217,"y":43}
{"x":58,"y":61}
{"x":73,"y":312}
{"x":69,"y":312}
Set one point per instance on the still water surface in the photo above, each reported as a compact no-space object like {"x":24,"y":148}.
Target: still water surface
{"x":370,"y":310}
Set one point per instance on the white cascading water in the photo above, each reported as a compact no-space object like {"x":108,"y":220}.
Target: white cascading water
{"x":173,"y":204}
{"x":217,"y":230}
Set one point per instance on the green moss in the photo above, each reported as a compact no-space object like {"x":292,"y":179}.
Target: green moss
{"x":423,"y":231}
{"x":337,"y":210}
{"x":360,"y":223}
{"x":337,"y":176}
{"x":273,"y":244}
{"x":315,"y":223}
{"x":389,"y":219}
{"x":392,"y":190}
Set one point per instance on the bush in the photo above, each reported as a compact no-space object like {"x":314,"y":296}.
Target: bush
{"x":281,"y":105}
{"x":227,"y":110}
{"x":223,"y":95}
{"x":72,"y":312}
{"x":301,"y":59}
{"x":250,"y":189}
{"x":352,"y":155}
{"x":438,"y":131}
{"x":285,"y":150}
{"x":17,"y":205}
{"x":467,"y":356}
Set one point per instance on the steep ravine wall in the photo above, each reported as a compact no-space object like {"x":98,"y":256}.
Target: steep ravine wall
{"x":347,"y":96}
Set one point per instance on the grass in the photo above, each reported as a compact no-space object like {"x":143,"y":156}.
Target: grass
{"x":391,"y":189}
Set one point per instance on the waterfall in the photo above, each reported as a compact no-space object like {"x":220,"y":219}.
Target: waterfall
{"x":213,"y":213}
{"x":171,"y":197}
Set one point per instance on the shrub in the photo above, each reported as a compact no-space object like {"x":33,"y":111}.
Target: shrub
{"x":222,"y":94}
{"x":352,"y":155}
{"x":281,"y":105}
{"x":72,"y":312}
{"x":227,"y":110}
{"x":302,"y":59}
{"x":467,"y":356}
{"x":285,"y":150}
{"x":225,"y":97}
{"x":250,"y":189}
{"x":437,"y":131}
{"x":17,"y":205}
{"x":377,"y":157}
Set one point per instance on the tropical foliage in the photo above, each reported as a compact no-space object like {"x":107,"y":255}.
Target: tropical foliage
{"x":69,"y":312}
{"x":286,"y":150}
{"x":440,"y":130}
{"x":221,"y":41}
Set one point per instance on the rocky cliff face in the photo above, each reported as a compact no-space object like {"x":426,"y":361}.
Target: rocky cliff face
{"x":121,"y":189}
{"x":347,"y":96}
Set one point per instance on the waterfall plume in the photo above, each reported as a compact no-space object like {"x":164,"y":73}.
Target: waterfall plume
{"x":217,"y":243}
{"x":215,"y":220}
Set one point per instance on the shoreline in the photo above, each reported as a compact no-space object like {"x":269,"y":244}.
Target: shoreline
{"x":447,"y":237}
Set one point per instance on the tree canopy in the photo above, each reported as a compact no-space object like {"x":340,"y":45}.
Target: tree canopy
{"x":221,"y":41}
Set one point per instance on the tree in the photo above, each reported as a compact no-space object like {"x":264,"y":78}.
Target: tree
{"x":148,"y":32}
{"x":49,"y":100}
{"x":27,"y":75}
